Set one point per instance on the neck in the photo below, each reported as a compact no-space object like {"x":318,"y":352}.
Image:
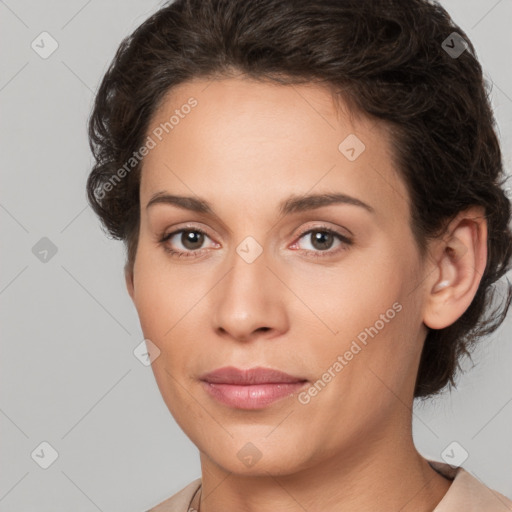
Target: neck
{"x":383,"y":474}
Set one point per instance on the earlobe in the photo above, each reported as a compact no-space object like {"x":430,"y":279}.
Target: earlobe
{"x":459,"y":266}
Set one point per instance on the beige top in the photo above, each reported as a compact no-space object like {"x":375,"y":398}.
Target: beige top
{"x":466,"y":493}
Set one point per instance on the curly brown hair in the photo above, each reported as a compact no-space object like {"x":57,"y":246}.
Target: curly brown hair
{"x":390,"y":59}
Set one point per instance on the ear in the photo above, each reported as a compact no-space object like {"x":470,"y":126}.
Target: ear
{"x":128,"y":277}
{"x":459,"y":260}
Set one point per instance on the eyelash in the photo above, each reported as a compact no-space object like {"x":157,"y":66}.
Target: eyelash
{"x":316,"y":254}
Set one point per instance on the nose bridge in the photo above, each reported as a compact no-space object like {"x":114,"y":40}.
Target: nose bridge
{"x":249,"y":271}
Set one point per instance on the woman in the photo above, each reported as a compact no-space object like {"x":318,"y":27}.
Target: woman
{"x":310,"y":197}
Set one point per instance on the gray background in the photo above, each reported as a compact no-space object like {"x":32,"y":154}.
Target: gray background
{"x":68,"y":374}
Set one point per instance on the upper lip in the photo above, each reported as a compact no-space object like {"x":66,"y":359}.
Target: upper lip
{"x":257,"y":375}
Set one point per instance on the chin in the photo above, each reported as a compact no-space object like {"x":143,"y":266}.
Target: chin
{"x":258,"y":458}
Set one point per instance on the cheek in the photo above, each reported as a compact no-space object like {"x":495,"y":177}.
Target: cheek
{"x":156,"y":292}
{"x":165,"y":301}
{"x":153,"y":307}
{"x":359,"y":290}
{"x":371,"y":318}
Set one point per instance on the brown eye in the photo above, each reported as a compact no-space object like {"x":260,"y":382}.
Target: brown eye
{"x":322,"y":240}
{"x":192,"y":240}
{"x":184,"y":242}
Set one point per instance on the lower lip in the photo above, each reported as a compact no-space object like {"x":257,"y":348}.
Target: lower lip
{"x":255,"y":396}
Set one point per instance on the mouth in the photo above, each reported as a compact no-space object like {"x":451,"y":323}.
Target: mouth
{"x":253,"y":388}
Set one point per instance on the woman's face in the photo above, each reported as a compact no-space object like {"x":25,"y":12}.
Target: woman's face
{"x":339,"y":307}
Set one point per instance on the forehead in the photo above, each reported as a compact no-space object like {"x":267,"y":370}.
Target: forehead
{"x":255,"y":142}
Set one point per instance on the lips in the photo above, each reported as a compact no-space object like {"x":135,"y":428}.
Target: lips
{"x":255,"y":388}
{"x":252,"y":376}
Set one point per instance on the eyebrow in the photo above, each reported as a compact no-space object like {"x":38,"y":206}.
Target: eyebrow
{"x":292,"y":204}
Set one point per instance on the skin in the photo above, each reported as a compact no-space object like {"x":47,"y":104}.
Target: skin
{"x":245,"y":147}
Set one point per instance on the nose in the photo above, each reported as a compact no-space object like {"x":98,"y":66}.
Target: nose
{"x":250,"y":300}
